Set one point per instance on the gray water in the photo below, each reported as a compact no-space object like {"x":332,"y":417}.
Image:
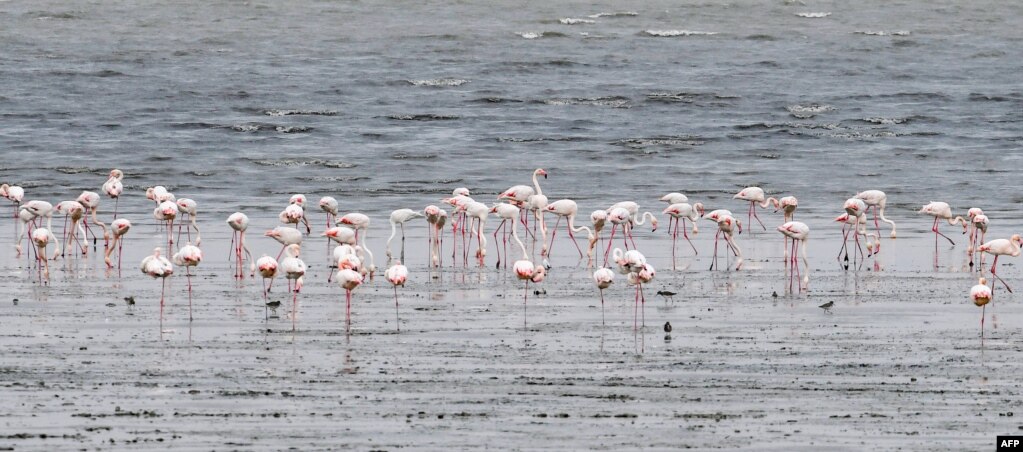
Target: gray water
{"x":390,"y":105}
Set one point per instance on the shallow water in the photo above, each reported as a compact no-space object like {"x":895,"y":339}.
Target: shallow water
{"x":239,"y":105}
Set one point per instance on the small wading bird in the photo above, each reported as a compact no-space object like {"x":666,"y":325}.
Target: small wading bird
{"x":827,"y":307}
{"x":158,"y":266}
{"x":981,"y":295}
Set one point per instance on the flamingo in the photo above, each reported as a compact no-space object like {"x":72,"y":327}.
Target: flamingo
{"x":28,"y":213}
{"x":188,"y":256}
{"x":398,"y":219}
{"x":329,"y":205}
{"x":458,"y":217}
{"x":980,"y":223}
{"x":74,"y":211}
{"x":397,"y":274}
{"x":1001,"y":247}
{"x":942,"y":211}
{"x":525,"y":271}
{"x":15,"y":194}
{"x":267,"y":267}
{"x":674,"y":198}
{"x":90,"y":200}
{"x":855,"y":215}
{"x":643,"y":275}
{"x":506,"y":212}
{"x":876,"y":199}
{"x":981,"y":295}
{"x":435,"y":219}
{"x":190,"y":208}
{"x":799,"y":233}
{"x":603,"y":277}
{"x":345,"y":257}
{"x":567,"y":208}
{"x":537,"y":203}
{"x":42,"y":237}
{"x":113,"y":187}
{"x":787,"y":205}
{"x":477,"y":213}
{"x":682,"y":211}
{"x":300,"y":201}
{"x":360,"y":222}
{"x":348,"y":280}
{"x":285,"y":236}
{"x":294,"y":270}
{"x":521,"y":193}
{"x":118,"y":228}
{"x":293,"y":214}
{"x":598,"y":218}
{"x":167,"y":211}
{"x":158,"y":266}
{"x":755,"y":196}
{"x":159,"y":194}
{"x":974,"y":228}
{"x":341,"y":235}
{"x":618,"y":216}
{"x":726,"y":225}
{"x":239,"y":223}
{"x":635,"y":219}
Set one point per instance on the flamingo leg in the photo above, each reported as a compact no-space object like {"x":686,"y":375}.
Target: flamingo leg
{"x":715,"y":261}
{"x":602,"y":322}
{"x":348,"y":311}
{"x":553,"y":233}
{"x":610,"y":242}
{"x":525,"y":295}
{"x":994,"y":264}
{"x":674,"y":240}
{"x":685,"y":234}
{"x":402,"y":242}
{"x":753,"y":208}
{"x":163,"y":290}
{"x":936,"y":231}
{"x":397,"y":321}
{"x":233,"y":236}
{"x":571,"y":235}
{"x":496,"y":230}
{"x":188,"y":276}
{"x":982,"y":309}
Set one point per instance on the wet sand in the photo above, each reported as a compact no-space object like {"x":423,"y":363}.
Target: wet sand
{"x":897,"y":364}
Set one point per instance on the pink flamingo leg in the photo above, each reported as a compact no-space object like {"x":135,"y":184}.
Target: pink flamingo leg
{"x":571,"y":235}
{"x":553,"y":233}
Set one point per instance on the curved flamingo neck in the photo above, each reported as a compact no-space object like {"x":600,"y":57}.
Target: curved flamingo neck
{"x":515,"y":236}
{"x":536,"y":184}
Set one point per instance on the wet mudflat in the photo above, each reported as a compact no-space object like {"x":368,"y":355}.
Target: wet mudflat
{"x":898,"y":363}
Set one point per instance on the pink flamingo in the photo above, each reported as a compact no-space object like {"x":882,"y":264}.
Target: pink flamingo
{"x":360,"y":222}
{"x":90,"y":200}
{"x":876,"y":200}
{"x":941,"y":211}
{"x":755,"y":196}
{"x":74,"y":211}
{"x":477,"y":213}
{"x":293,"y":214}
{"x":1001,"y":247}
{"x":981,"y":295}
{"x":603,"y":277}
{"x":239,"y":223}
{"x":435,"y":219}
{"x":329,"y":205}
{"x":42,"y":237}
{"x":189,"y":207}
{"x":726,"y":227}
{"x":597,"y":218}
{"x":15,"y":194}
{"x":975,"y":226}
{"x":618,"y":216}
{"x":159,"y":194}
{"x":397,"y":274}
{"x":118,"y":228}
{"x":188,"y":256}
{"x":158,"y":266}
{"x":457,"y":200}
{"x":520,"y":193}
{"x":525,"y":271}
{"x":348,"y":280}
{"x":398,"y":219}
{"x":113,"y":187}
{"x":675,"y":198}
{"x":855,"y":215}
{"x":638,"y":278}
{"x":294,"y":271}
{"x":567,"y":208}
{"x":285,"y":236}
{"x":28,"y":213}
{"x":682,"y":211}
{"x":300,"y":201}
{"x":506,"y":212}
{"x":635,"y":219}
{"x":167,"y":211}
{"x":267,"y":267}
{"x":799,"y":233}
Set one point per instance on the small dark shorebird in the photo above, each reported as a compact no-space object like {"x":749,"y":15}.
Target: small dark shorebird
{"x":667,"y":327}
{"x":130,"y":301}
{"x":668,"y":295}
{"x":827,"y":306}
{"x":271,"y":306}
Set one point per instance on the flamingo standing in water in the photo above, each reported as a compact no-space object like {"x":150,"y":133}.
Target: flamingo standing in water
{"x":189,"y":207}
{"x":755,"y":196}
{"x":159,"y":194}
{"x":603,"y":277}
{"x":458,"y":197}
{"x":42,"y":237}
{"x":398,"y":219}
{"x":118,"y":228}
{"x":349,"y":279}
{"x":397,"y":274}
{"x":942,"y":211}
{"x":618,"y":216}
{"x":239,"y":223}
{"x":329,"y":205}
{"x":799,"y":233}
{"x":435,"y":219}
{"x":981,"y":295}
{"x":674,"y":198}
{"x":167,"y":211}
{"x":855,"y":215}
{"x":300,"y":201}
{"x":598,"y":218}
{"x":567,"y":208}
{"x":188,"y":256}
{"x":978,"y":223}
{"x":1001,"y":247}
{"x":74,"y":211}
{"x":726,"y":227}
{"x":633,"y":264}
{"x":635,"y":219}
{"x":519,"y":194}
{"x":158,"y":266}
{"x":28,"y":213}
{"x":343,"y":235}
{"x":294,"y":270}
{"x":293,"y":214}
{"x":477,"y":213}
{"x":360,"y":222}
{"x":525,"y":271}
{"x":506,"y":212}
{"x":682,"y":211}
{"x":876,"y":200}
{"x":90,"y":200}
{"x":113,"y":187}
{"x":267,"y":268}
{"x":285,"y":236}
